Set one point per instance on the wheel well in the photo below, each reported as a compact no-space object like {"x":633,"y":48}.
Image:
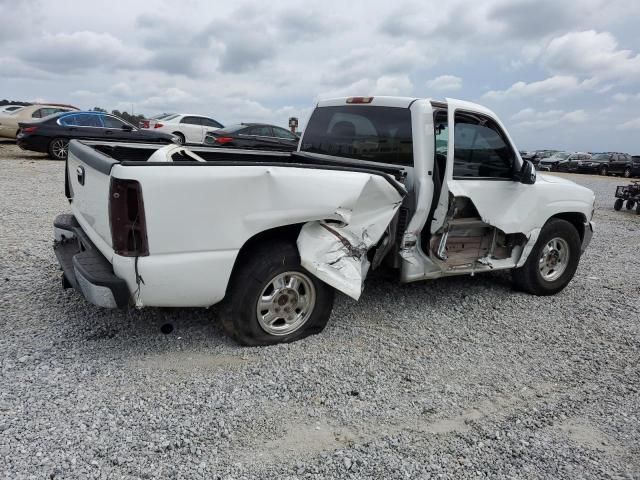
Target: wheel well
{"x":285,"y":232}
{"x":178,"y":133}
{"x":576,"y":219}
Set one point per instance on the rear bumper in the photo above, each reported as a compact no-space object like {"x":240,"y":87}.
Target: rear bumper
{"x":85,"y":268}
{"x":34,"y":143}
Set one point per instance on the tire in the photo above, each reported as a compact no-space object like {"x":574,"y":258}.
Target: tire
{"x":638,"y":208}
{"x":603,"y":171}
{"x":618,"y":204}
{"x":630,"y":204}
{"x":627,"y":173}
{"x":566,"y":252}
{"x":58,"y":149}
{"x":256,"y":277}
{"x":181,"y":139}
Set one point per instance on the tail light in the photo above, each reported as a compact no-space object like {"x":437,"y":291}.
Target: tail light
{"x":29,"y":129}
{"x":126,"y":218}
{"x":223,"y":140}
{"x":158,"y":125}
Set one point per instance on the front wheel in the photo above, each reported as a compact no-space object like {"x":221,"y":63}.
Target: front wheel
{"x":272,"y":299}
{"x":630,"y":204}
{"x":552,"y":262}
{"x":603,"y":171}
{"x":627,"y":172}
{"x":59,"y":148}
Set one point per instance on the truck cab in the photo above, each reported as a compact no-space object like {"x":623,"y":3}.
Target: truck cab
{"x":473,"y":204}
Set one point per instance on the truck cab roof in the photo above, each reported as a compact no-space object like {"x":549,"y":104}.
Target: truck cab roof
{"x":400,"y":102}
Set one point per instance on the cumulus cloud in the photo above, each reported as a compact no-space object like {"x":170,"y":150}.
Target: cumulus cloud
{"x":533,"y":119}
{"x":552,"y":86}
{"x":633,"y":124}
{"x":445,"y":83}
{"x":77,"y":51}
{"x":590,"y":54}
{"x":393,"y":85}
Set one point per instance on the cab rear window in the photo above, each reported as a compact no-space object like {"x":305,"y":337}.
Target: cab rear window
{"x":376,"y":134}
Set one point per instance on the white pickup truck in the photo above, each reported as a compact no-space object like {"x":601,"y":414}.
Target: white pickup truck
{"x":427,"y":188}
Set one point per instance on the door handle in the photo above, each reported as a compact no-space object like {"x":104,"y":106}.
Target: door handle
{"x":80,"y":174}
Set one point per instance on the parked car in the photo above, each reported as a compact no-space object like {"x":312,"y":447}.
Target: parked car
{"x":253,"y":135}
{"x":10,"y":108}
{"x":52,"y":134}
{"x":274,"y":233}
{"x":623,"y":164}
{"x":563,"y":161}
{"x":9,"y":123}
{"x":539,"y":155}
{"x":151,"y":121}
{"x":188,"y":128}
{"x":598,"y":163}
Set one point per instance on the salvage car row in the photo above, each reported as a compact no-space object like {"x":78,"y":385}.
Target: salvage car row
{"x":605,"y":163}
{"x":49,"y":128}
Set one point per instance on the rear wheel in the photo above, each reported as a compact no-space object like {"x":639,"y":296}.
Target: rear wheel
{"x":618,"y":204}
{"x":272,"y":299}
{"x":603,"y":170}
{"x":552,"y":262}
{"x":638,"y":209}
{"x":627,"y":172}
{"x":58,"y":148}
{"x":630,"y":204}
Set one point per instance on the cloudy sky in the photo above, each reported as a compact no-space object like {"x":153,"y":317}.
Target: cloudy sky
{"x":561,"y":74}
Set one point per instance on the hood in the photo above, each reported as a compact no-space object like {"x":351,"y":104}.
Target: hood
{"x":541,"y":177}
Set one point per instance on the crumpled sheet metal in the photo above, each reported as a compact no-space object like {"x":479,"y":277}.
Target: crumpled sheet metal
{"x":336,"y":252}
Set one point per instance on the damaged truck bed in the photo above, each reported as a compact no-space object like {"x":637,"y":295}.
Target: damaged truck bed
{"x":427,"y":188}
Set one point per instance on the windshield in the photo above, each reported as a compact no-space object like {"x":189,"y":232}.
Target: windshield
{"x":601,"y":156}
{"x":559,"y":156}
{"x":377,"y":134}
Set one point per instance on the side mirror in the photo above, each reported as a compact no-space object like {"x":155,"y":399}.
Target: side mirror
{"x":127,"y":128}
{"x":527,"y":173}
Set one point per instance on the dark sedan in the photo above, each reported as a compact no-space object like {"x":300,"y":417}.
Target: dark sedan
{"x":598,"y":163}
{"x":52,"y":134}
{"x":253,"y":136}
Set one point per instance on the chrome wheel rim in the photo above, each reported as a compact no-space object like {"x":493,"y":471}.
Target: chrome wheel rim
{"x":286,"y":303}
{"x":554,"y":259}
{"x":59,"y":148}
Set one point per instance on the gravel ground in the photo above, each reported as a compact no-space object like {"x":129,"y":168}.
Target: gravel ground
{"x":455,"y":378}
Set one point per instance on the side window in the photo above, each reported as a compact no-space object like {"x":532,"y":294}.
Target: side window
{"x":261,"y":131}
{"x":208,"y":122}
{"x":112,"y":122}
{"x":89,"y":120}
{"x":481,"y":149}
{"x":37,"y":113}
{"x":191,"y":120}
{"x":282,"y":133}
{"x":69,"y":120}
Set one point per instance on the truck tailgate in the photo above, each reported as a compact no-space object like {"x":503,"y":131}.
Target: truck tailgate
{"x":88,"y":186}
